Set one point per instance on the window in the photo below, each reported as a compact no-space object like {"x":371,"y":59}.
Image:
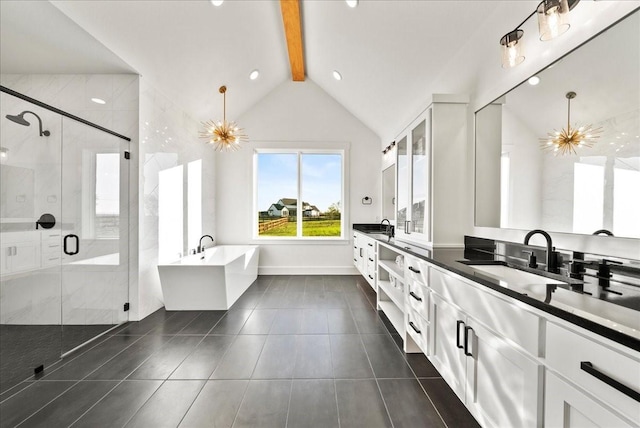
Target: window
{"x":299,"y":194}
{"x":588,"y":198}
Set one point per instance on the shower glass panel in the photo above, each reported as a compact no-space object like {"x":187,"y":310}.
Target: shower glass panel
{"x":30,"y":272}
{"x":95,"y":244}
{"x":64,"y":236}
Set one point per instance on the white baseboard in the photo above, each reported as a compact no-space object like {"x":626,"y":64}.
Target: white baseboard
{"x":307,"y":270}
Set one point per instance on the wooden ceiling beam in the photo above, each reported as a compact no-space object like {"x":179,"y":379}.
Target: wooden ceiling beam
{"x":293,"y":32}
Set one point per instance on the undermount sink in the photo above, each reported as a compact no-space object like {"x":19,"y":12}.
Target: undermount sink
{"x":502,"y":272}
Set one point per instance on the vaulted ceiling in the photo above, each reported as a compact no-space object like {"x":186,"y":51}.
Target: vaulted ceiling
{"x":392,"y":54}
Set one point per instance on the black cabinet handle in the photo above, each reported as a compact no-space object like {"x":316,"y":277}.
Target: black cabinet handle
{"x":466,"y":341}
{"x":370,"y":276}
{"x":369,"y":244}
{"x":370,"y":259}
{"x":415,"y":296}
{"x":458,"y":324}
{"x":65,"y":247}
{"x":413,"y":326}
{"x":588,"y":367}
{"x":360,"y":252}
{"x":355,"y":260}
{"x":414,"y":270}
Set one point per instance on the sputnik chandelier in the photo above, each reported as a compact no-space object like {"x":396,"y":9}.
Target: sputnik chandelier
{"x":566,"y":141}
{"x":225,"y":136}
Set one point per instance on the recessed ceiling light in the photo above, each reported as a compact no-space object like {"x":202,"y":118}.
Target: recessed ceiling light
{"x":254,"y":74}
{"x":337,"y":75}
{"x":352,"y":3}
{"x":534,"y":80}
{"x":217,"y":2}
{"x":98,"y":100}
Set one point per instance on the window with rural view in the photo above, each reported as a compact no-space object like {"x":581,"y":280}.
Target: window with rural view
{"x":299,"y":194}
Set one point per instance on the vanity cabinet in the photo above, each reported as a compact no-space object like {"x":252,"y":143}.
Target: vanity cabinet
{"x":364,"y":257}
{"x":498,"y":381}
{"x":433,"y":149}
{"x":609,"y":377}
{"x":20,"y":251}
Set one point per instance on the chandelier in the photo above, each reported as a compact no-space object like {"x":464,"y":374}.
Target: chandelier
{"x":223,"y":135}
{"x":566,"y":141}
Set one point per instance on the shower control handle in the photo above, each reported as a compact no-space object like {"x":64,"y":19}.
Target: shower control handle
{"x":65,"y":245}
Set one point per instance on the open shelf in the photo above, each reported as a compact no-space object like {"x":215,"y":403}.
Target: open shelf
{"x":391,"y":267}
{"x":396,"y":295}
{"x":395,"y":315}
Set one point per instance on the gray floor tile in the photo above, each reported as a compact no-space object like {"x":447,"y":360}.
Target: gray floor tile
{"x":287,"y":321}
{"x":265,"y":404}
{"x":168,"y":405}
{"x":278,"y":285}
{"x":387,"y":361}
{"x":87,"y":362}
{"x":249,"y":300}
{"x":313,"y":358}
{"x":357,"y":301}
{"x":278,"y":358}
{"x":216,"y":405}
{"x":368,"y":321}
{"x":313,"y":404}
{"x":408,"y":405}
{"x":421,"y":365}
{"x":162,"y":364}
{"x":177,"y":322}
{"x":232,"y":322}
{"x":119,"y":405}
{"x":23,"y":404}
{"x":147,"y":324}
{"x":204,"y":359}
{"x":65,"y":409}
{"x":314,"y":321}
{"x":340,"y":321}
{"x":259,"y":285}
{"x":360,"y":404}
{"x":349,"y":358}
{"x":203,"y":323}
{"x":126,"y":362}
{"x":294,"y":299}
{"x":449,"y":406}
{"x":240,"y":359}
{"x":259,"y":322}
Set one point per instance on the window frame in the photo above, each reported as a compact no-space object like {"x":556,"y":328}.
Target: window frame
{"x":341,"y":149}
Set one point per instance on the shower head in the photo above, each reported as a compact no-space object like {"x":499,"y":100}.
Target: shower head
{"x":20,"y":120}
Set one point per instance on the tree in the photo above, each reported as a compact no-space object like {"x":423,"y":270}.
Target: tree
{"x":333,"y":211}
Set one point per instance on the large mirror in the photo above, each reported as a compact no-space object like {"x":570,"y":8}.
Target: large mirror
{"x":523,"y":183}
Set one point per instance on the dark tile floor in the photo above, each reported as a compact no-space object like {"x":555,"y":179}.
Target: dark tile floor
{"x":299,"y":351}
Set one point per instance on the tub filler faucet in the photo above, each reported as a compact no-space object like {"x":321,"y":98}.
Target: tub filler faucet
{"x":200,"y":247}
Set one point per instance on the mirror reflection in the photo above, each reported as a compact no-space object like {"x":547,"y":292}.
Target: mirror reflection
{"x":523,"y":181}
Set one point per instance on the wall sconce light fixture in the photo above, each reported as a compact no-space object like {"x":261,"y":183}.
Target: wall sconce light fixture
{"x":552,"y":22}
{"x":388,"y":148}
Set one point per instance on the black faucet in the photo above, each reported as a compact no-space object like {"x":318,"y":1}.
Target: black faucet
{"x":200,"y":247}
{"x":389,"y":229}
{"x":552,"y":256}
{"x":604,"y":272}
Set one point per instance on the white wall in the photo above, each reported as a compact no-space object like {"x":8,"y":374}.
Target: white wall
{"x":588,"y":19}
{"x":168,"y":138}
{"x":298,"y":113}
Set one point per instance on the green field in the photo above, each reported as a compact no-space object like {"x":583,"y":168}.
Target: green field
{"x":309,"y":228}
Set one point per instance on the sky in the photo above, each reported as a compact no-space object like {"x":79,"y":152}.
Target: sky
{"x":321,"y":178}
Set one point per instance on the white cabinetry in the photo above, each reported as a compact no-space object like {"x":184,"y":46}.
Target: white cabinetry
{"x":20,"y":252}
{"x":609,"y":377}
{"x":391,"y":287}
{"x":498,"y":381}
{"x":433,"y":150}
{"x":364,"y":257}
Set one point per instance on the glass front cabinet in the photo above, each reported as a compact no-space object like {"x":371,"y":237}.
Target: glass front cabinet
{"x":413,"y":163}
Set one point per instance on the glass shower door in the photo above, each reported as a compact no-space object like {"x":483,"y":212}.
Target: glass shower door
{"x":95,"y":232}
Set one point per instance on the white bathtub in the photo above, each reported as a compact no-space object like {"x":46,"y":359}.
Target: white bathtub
{"x":212,"y":280}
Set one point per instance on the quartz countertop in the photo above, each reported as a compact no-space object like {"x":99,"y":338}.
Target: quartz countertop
{"x":618,"y":323}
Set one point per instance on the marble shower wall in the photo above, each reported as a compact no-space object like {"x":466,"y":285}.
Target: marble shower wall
{"x":168,"y":138}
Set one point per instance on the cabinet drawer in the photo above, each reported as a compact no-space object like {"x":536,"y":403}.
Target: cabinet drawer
{"x":575,"y":356}
{"x":418,"y":328}
{"x":418,"y":298}
{"x":417,"y":269}
{"x":510,"y":320}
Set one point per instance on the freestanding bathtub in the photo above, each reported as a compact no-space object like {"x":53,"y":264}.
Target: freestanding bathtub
{"x":212,"y":280}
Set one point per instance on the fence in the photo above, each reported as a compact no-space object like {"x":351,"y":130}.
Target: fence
{"x":268,"y":225}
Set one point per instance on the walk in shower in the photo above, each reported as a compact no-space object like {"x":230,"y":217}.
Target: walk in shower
{"x":64,"y":234}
